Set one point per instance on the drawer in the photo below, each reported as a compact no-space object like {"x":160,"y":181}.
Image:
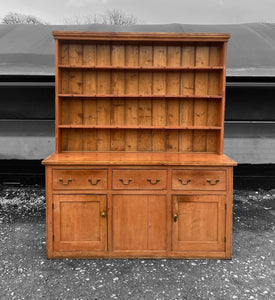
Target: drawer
{"x":79,"y":179}
{"x":199,"y":180}
{"x":140,"y":179}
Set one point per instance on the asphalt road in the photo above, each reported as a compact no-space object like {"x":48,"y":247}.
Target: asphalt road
{"x":25,"y":272}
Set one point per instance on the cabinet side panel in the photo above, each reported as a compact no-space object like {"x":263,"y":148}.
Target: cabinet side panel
{"x":222,"y":86}
{"x":49,"y":211}
{"x":213,"y":104}
{"x":228,"y":212}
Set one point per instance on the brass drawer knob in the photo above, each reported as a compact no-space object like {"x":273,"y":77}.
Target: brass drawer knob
{"x":125,"y":183}
{"x":65,"y":183}
{"x":150,"y":180}
{"x":103,"y":214}
{"x":184,"y":183}
{"x":213,"y":183}
{"x":175,"y":216}
{"x":95,"y":183}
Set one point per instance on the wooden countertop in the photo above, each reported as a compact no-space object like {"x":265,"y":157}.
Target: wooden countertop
{"x":134,"y":158}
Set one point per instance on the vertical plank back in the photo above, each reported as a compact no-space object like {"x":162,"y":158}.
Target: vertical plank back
{"x":75,"y":106}
{"x":187,"y":106}
{"x":131,"y":105}
{"x":200,"y":105}
{"x":103,"y":104}
{"x":144,"y":105}
{"x":173,"y":88}
{"x":118,"y":104}
{"x":159,"y":104}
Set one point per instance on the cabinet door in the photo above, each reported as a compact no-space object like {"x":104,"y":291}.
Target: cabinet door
{"x":198,"y":223}
{"x":139,"y":222}
{"x":79,"y":222}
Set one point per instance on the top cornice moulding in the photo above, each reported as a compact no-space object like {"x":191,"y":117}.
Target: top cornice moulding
{"x":141,"y":36}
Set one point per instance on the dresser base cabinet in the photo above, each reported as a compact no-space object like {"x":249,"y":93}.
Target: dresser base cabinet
{"x":143,"y":211}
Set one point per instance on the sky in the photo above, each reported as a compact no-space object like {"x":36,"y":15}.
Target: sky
{"x":149,"y":11}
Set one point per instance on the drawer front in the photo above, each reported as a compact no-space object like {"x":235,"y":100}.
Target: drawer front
{"x":199,"y":180}
{"x":140,"y":179}
{"x":79,"y":179}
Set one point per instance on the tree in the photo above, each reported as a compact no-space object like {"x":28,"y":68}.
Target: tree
{"x":16,"y":18}
{"x":113,"y":17}
{"x":117,"y":17}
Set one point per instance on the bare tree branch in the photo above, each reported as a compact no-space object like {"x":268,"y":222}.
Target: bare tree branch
{"x":16,"y":18}
{"x":113,"y":17}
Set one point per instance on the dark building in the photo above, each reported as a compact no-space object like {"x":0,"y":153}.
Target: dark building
{"x":27,"y":95}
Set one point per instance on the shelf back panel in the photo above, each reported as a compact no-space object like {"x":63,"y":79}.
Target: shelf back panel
{"x":135,"y":140}
{"x":95,"y":78}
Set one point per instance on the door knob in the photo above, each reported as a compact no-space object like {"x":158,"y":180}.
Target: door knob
{"x":103,"y":214}
{"x":175,"y":216}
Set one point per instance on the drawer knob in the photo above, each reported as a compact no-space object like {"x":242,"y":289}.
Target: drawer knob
{"x":95,"y":183}
{"x":150,"y":180}
{"x":125,"y":183}
{"x":103,"y":214}
{"x":175,"y":216}
{"x":65,"y":183}
{"x":213,"y":183}
{"x":184,"y":183}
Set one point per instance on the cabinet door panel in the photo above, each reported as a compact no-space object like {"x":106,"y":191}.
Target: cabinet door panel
{"x":78,"y":224}
{"x":200,"y":223}
{"x":139,"y":222}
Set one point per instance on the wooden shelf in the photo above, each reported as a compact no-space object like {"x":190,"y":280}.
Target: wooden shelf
{"x":141,"y":96}
{"x":142,"y":68}
{"x":139,"y":127}
{"x":137,"y":158}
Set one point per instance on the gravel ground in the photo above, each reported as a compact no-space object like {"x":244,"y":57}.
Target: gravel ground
{"x":27,"y":274}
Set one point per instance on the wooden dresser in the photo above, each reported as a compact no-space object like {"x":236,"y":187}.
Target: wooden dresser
{"x":139,"y":169}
